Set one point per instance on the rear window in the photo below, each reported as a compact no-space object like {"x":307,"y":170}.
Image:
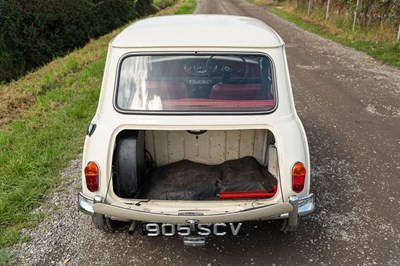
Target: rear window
{"x":195,"y":83}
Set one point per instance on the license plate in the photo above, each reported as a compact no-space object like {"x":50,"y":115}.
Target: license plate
{"x":216,"y":229}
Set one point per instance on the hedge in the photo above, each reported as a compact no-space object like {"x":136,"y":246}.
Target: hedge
{"x":33,"y":32}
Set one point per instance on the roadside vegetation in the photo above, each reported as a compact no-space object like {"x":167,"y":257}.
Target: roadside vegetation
{"x":32,"y":33}
{"x":371,"y":33}
{"x":43,"y":120}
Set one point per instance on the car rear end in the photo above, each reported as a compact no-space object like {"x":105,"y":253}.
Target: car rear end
{"x":194,"y":142}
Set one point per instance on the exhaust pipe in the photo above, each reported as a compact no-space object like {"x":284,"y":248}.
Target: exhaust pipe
{"x":132,"y":228}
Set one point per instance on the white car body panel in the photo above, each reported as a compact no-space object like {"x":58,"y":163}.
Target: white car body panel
{"x":201,"y":34}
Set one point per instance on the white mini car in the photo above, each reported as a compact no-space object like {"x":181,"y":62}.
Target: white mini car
{"x":196,"y":131}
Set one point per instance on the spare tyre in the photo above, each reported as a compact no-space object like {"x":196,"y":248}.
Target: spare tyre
{"x":128,"y":163}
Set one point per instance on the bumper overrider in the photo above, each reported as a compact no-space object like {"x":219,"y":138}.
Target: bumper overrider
{"x":297,"y":206}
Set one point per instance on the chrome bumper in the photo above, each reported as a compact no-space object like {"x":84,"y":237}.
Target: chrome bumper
{"x":301,"y":206}
{"x":85,"y":204}
{"x":305,"y":205}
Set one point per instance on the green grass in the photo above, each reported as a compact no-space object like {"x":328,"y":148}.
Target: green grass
{"x":5,"y":258}
{"x":41,"y":141}
{"x":184,"y":7}
{"x":46,"y":115}
{"x":386,"y":51}
{"x":187,"y":7}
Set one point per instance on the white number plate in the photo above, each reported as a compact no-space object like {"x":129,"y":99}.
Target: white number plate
{"x":217,"y":229}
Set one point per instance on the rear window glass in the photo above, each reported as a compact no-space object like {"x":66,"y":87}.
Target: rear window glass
{"x":195,"y":83}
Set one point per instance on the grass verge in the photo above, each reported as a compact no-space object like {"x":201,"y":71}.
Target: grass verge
{"x":42,"y":127}
{"x":372,"y":41}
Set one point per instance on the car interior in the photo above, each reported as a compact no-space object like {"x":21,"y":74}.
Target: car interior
{"x":196,"y":83}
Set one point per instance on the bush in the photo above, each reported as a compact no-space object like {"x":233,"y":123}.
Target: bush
{"x":34,"y":32}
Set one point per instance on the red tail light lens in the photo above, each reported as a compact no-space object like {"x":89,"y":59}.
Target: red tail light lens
{"x":92,"y":176}
{"x":299,"y":177}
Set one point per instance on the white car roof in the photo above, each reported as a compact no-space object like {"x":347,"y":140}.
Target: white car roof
{"x":198,"y":31}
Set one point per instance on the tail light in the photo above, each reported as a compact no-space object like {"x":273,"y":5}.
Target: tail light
{"x":298,"y":177}
{"x":92,"y":176}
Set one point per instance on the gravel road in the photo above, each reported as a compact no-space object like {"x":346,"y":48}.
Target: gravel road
{"x":350,"y":107}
